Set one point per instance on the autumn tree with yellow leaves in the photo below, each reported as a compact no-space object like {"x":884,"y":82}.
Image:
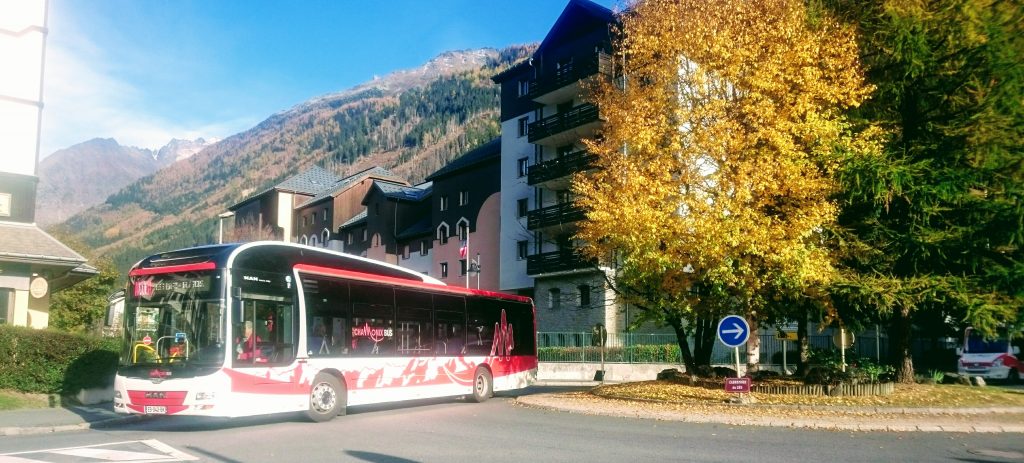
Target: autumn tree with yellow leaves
{"x":714,"y":172}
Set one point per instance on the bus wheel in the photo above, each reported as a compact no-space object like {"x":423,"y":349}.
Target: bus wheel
{"x":326,"y":398}
{"x":1013,"y":377}
{"x":483,"y":385}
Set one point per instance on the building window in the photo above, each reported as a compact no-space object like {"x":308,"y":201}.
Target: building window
{"x":5,"y":304}
{"x":325,"y":215}
{"x":523,"y":166}
{"x":405,"y":252}
{"x":554,"y":298}
{"x":444,"y":269}
{"x":584,"y":295}
{"x":442,"y":233}
{"x":462,"y":267}
{"x":304,"y":240}
{"x":464,"y":197}
{"x":463,"y":229}
{"x":349,"y":240}
{"x":365,"y":235}
{"x":522,"y":207}
{"x":522,"y":249}
{"x":423,"y":247}
{"x":444,"y":202}
{"x":524,"y":87}
{"x":326,"y":236}
{"x":524,"y":126}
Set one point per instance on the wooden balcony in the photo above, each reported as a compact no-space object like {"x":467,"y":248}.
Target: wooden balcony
{"x":563,"y":82}
{"x":562,"y":167}
{"x":554,"y":216}
{"x":565,"y":260}
{"x":578,"y":122}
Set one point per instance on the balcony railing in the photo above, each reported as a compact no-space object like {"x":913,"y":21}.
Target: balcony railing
{"x":557,"y":168}
{"x":558,"y":214}
{"x":575,"y":117}
{"x":558,"y":261}
{"x":566,"y":74}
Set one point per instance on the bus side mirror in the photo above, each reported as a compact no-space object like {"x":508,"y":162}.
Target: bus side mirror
{"x":236,"y":303}
{"x":959,"y":351}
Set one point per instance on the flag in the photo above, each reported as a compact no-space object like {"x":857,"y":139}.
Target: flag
{"x":464,"y":249}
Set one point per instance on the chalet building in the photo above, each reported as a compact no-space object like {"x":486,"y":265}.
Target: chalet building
{"x":391,"y":211}
{"x":269,"y":214}
{"x":543,"y":120}
{"x":33,"y":264}
{"x":317,"y":219}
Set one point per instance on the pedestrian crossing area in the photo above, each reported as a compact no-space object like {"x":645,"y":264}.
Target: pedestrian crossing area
{"x":140,"y":451}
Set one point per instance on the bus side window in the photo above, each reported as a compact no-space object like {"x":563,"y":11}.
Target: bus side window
{"x":373,"y":319}
{"x":328,"y":316}
{"x":415,"y":335}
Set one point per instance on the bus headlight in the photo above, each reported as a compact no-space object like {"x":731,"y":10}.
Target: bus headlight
{"x":117,"y":394}
{"x":205,"y":396}
{"x":997,"y":362}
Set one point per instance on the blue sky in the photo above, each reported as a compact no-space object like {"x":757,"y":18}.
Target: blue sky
{"x":146,"y":71}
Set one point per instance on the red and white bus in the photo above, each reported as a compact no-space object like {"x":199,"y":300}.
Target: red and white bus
{"x":268,"y":327}
{"x":990,"y":357}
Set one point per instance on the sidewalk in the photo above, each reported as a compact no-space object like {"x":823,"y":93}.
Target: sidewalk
{"x":60,"y":419}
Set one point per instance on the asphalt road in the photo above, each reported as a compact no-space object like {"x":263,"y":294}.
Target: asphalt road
{"x":495,"y":431}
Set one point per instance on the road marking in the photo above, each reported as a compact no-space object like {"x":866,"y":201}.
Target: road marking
{"x":142,"y":451}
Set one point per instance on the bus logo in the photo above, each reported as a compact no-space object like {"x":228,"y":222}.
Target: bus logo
{"x":503,"y":338}
{"x":144,"y":288}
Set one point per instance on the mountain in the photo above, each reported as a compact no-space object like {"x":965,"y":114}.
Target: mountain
{"x":74,"y":179}
{"x":411,"y":122}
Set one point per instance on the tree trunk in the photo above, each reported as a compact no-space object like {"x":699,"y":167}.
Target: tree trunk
{"x":803,"y":343}
{"x":753,"y":347}
{"x":684,"y":346}
{"x":900,"y":335}
{"x":704,"y":341}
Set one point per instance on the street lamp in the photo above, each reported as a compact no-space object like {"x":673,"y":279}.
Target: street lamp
{"x":222,"y":216}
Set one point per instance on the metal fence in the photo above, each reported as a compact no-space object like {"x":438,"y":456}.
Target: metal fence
{"x":578,"y":347}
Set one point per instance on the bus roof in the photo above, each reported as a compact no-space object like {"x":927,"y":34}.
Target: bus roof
{"x":275,"y":256}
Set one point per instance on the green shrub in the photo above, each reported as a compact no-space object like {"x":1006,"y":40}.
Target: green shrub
{"x":53,"y":362}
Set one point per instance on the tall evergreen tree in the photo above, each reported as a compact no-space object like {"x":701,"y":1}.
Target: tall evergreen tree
{"x":933,"y":220}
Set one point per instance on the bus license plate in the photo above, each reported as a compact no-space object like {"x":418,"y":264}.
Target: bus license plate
{"x":156,"y":410}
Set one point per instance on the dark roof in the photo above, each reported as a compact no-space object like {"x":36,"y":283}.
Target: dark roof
{"x":487,"y":152}
{"x":515,"y":69}
{"x":347,"y":182}
{"x":310,"y":182}
{"x":359,"y":218}
{"x":403,"y":192}
{"x":423,"y":227}
{"x":26,"y":243}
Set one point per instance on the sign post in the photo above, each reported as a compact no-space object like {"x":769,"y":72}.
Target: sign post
{"x":733,"y":331}
{"x":785,"y":336}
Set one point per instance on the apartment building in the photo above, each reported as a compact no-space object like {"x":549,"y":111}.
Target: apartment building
{"x":543,"y":119}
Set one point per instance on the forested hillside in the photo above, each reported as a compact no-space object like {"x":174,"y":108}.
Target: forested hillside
{"x":412,"y":122}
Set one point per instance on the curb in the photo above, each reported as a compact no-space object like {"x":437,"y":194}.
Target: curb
{"x":51,"y":429}
{"x":552,"y":402}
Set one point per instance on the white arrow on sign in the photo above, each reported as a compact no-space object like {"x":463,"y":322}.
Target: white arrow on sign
{"x":736,"y":331}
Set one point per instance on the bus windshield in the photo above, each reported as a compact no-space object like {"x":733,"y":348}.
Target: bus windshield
{"x":978,"y":344}
{"x":174,"y":318}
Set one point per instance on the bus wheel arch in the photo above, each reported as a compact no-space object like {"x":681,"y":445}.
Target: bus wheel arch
{"x":483,"y":384}
{"x":1013,"y":376}
{"x":327,"y":397}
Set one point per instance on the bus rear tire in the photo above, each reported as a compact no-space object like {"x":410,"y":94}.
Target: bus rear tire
{"x":483,"y":385}
{"x":327,"y":398}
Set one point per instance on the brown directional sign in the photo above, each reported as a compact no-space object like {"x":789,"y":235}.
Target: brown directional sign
{"x":737,"y":384}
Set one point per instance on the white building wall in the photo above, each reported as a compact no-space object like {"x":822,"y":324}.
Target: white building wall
{"x":513,"y":187}
{"x":417,"y":263}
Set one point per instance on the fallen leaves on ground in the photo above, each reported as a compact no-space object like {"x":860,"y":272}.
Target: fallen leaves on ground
{"x":906,"y":395}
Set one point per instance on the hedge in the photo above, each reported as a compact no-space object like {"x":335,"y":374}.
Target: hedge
{"x":54,"y":362}
{"x":640,"y":353}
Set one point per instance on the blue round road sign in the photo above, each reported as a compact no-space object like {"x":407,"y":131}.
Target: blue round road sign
{"x":733,"y":330}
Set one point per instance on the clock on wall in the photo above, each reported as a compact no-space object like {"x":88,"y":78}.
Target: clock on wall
{"x":38,"y":287}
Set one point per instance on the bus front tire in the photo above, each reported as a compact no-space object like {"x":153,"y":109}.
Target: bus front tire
{"x":327,"y":398}
{"x":483,"y":385}
{"x":1013,"y":377}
